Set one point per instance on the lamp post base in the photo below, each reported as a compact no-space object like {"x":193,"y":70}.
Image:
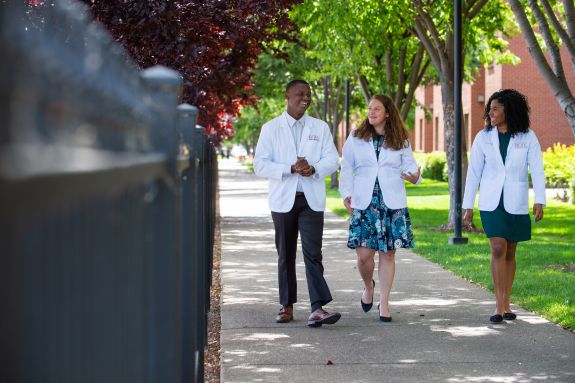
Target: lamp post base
{"x":458,"y":240}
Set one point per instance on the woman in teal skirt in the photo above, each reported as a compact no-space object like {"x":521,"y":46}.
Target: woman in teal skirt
{"x":376,"y":160}
{"x":501,"y":156}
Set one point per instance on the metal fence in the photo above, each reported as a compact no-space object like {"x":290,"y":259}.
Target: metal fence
{"x":107,"y":209}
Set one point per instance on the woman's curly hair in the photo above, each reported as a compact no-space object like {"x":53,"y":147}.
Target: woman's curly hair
{"x":516,"y":110}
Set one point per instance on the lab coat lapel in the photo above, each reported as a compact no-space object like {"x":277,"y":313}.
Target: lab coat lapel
{"x":510,"y":149}
{"x":495,"y":144}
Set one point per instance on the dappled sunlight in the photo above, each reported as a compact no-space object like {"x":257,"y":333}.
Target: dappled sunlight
{"x":264,"y":336}
{"x":244,"y":353}
{"x":301,"y":345}
{"x":251,"y":265}
{"x":241,"y":300}
{"x":440,"y":330}
{"x":532,"y":319}
{"x":430,"y":302}
{"x":256,"y":233}
{"x":267,"y":369}
{"x":515,"y":378}
{"x":249,"y":245}
{"x":466,"y":331}
{"x":405,"y":260}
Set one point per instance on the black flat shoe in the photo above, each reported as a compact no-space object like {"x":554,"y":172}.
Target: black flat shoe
{"x":496,"y":318}
{"x":509,"y":316}
{"x":381,"y":317}
{"x":367,"y":306}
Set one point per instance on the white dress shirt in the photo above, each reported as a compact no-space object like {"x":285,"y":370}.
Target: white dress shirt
{"x":296,"y":127}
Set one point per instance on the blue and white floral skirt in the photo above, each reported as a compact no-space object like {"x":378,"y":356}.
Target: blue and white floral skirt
{"x":379,"y":227}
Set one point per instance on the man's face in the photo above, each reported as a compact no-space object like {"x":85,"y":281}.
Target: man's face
{"x":298,"y":98}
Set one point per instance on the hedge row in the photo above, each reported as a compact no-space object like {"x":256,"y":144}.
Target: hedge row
{"x":558,"y":162}
{"x":559,"y":165}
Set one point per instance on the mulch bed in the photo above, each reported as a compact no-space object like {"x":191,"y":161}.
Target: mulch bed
{"x":212,"y":351}
{"x":566,"y":268}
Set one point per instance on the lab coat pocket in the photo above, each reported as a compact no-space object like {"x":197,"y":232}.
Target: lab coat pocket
{"x":517,"y":197}
{"x":311,"y":149}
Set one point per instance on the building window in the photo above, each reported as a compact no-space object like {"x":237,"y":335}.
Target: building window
{"x":420,"y":143}
{"x":436,"y":134}
{"x":491,"y":68}
{"x":466,"y":137}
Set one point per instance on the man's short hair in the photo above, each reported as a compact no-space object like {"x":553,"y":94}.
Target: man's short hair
{"x":295,"y":82}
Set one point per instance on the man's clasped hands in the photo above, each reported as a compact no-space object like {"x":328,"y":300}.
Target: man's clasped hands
{"x":302,"y":167}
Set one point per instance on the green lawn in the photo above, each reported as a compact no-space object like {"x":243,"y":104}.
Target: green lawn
{"x":540,"y":284}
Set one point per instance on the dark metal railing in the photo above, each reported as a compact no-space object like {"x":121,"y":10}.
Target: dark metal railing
{"x":107,"y":208}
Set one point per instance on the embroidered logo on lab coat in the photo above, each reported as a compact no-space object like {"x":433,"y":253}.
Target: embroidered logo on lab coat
{"x":313,"y":137}
{"x":521,"y":145}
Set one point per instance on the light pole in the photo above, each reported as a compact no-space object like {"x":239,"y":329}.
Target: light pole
{"x":457,"y":239}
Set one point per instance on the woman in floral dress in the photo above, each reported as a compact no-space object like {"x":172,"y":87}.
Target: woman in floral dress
{"x":377,"y":158}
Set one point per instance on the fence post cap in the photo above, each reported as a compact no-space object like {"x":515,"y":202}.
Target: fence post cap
{"x":186,"y":108}
{"x":159,"y":74}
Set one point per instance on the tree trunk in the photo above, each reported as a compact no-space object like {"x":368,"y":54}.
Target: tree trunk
{"x":364,"y":85}
{"x":449,"y":130}
{"x":335,"y":120}
{"x":557,"y":83}
{"x":567,"y":103}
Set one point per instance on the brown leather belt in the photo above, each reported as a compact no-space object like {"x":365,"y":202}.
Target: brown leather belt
{"x":299,"y":194}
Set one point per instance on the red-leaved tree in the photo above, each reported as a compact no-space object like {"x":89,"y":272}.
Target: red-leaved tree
{"x":214,"y":45}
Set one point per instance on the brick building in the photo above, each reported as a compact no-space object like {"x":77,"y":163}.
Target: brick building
{"x":547,"y":119}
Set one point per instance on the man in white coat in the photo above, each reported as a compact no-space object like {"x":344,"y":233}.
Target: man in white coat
{"x":295,"y":152}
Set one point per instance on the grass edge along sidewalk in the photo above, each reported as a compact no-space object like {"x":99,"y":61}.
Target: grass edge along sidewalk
{"x":545,"y":276}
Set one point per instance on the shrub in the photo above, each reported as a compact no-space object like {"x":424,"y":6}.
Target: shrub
{"x":433,"y":165}
{"x":559,"y":166}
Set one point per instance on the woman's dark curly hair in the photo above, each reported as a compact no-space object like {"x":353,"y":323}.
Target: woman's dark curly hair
{"x":516,"y":110}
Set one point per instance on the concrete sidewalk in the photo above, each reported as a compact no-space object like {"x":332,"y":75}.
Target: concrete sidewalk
{"x":440,"y":330}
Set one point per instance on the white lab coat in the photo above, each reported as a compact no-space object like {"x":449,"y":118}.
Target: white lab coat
{"x":276,"y":152}
{"x":360,"y":168}
{"x":486,"y":170}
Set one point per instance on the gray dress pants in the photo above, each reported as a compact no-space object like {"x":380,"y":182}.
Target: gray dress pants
{"x":309,"y":223}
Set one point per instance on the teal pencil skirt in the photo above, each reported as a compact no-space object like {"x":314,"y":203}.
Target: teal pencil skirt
{"x":500,"y":223}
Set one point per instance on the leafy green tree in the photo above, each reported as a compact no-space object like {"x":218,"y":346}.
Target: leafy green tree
{"x":270,"y":78}
{"x":484,"y":22}
{"x":362,"y":39}
{"x":555,"y":20}
{"x":213,"y":44}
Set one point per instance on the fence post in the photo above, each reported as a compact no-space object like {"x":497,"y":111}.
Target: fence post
{"x":187,"y":116}
{"x":164,"y":87}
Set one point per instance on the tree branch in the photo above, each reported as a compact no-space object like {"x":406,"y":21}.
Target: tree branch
{"x":388,"y":66}
{"x":414,"y":80}
{"x":434,"y":54}
{"x":314,"y":103}
{"x":401,"y":76}
{"x":569,"y":42}
{"x":364,"y":85}
{"x":549,"y":41}
{"x":569,"y":6}
{"x":423,"y":70}
{"x":534,"y":47}
{"x":474,"y":9}
{"x":428,"y":24}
